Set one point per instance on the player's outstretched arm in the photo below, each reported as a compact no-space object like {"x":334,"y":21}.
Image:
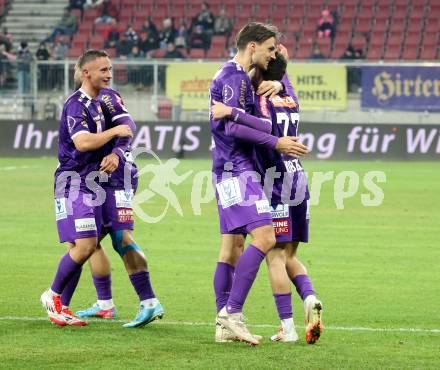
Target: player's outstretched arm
{"x":288,"y":145}
{"x":221,"y":111}
{"x":86,"y":141}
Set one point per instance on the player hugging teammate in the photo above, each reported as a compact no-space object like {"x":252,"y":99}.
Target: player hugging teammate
{"x":259,"y":137}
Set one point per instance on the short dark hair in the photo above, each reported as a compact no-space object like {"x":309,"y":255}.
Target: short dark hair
{"x":255,"y":32}
{"x":275,"y":69}
{"x":90,"y":55}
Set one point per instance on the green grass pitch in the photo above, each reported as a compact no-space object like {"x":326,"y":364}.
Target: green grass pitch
{"x":376,"y":270}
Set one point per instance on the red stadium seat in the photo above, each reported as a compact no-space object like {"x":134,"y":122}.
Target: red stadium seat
{"x":363,"y":25}
{"x":75,"y":52}
{"x":197,"y":54}
{"x":430,"y":39}
{"x":410,"y":53}
{"x":374,"y":54}
{"x":428,"y":53}
{"x":392,"y":52}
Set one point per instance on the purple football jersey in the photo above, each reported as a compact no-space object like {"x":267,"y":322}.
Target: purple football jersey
{"x":81,"y":114}
{"x":231,"y":86}
{"x":283,"y":110}
{"x":115,"y":114}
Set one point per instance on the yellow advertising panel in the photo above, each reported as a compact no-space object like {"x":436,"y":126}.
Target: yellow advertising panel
{"x":188,"y":84}
{"x":319,"y":86}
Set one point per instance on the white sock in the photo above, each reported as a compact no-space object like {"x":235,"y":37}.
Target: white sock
{"x":151,"y":302}
{"x":106,"y":304}
{"x":287,"y":325}
{"x":309,"y":298}
{"x":52,"y":293}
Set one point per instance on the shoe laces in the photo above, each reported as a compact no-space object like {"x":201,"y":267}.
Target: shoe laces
{"x":57,"y":303}
{"x":67,"y":311}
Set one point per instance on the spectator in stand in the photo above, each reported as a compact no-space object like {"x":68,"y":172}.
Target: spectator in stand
{"x":77,"y":4}
{"x":316,"y":53}
{"x":60,"y":49}
{"x":202,"y":28}
{"x":24,"y":59}
{"x":107,"y":12}
{"x":137,"y":74}
{"x":123,"y":47}
{"x":6,"y":39}
{"x":43,"y":54}
{"x":112,"y":34}
{"x":326,"y":24}
{"x":199,"y":39}
{"x":205,"y":18}
{"x":181,"y":34}
{"x":5,"y":57}
{"x":92,"y":3}
{"x":167,"y":34}
{"x":147,"y":42}
{"x":352,"y":53}
{"x":172,"y":52}
{"x":66,"y":26}
{"x":131,"y":34}
{"x":149,"y":27}
{"x":222,"y":24}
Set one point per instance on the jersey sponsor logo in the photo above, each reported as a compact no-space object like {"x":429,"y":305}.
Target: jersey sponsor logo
{"x":124,"y":198}
{"x":125,"y":215}
{"x":280,"y":211}
{"x":60,"y":209}
{"x":228,"y":93}
{"x":283,"y":101}
{"x":85,"y":224}
{"x":281,"y":227}
{"x":108,"y":103}
{"x":262,"y":206}
{"x":242,"y":99}
{"x":263,"y":106}
{"x":293,"y":166}
{"x":229,"y":192}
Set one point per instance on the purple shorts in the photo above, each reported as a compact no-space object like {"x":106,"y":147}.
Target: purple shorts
{"x":242,"y":205}
{"x":117,"y":210}
{"x":291,"y":223}
{"x":77,"y":220}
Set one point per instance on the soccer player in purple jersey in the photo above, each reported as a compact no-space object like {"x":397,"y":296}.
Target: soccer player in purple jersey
{"x":81,"y":134}
{"x":290,"y":219}
{"x":290,"y":212}
{"x":118,"y":221}
{"x":233,"y":167}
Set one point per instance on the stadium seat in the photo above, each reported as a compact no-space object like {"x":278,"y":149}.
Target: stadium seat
{"x":197,"y":53}
{"x":392,"y":52}
{"x":410,"y":53}
{"x":374,"y":54}
{"x":428,"y":53}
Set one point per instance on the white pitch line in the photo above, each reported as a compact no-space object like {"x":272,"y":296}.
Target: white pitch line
{"x":189,"y":323}
{"x":12,"y":168}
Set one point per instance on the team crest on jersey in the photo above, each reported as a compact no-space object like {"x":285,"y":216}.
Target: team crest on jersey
{"x":283,"y":101}
{"x":228,"y":93}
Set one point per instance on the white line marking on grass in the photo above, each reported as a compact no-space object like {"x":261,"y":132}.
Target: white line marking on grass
{"x":12,"y":168}
{"x":189,"y":323}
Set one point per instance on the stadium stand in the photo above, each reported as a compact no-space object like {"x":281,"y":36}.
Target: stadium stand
{"x":380,"y":29}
